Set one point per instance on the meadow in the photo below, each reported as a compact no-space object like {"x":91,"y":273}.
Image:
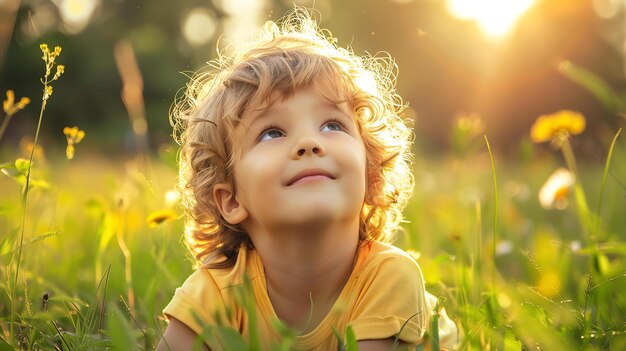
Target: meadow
{"x":91,"y":246}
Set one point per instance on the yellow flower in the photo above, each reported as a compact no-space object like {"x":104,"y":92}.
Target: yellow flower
{"x":9,"y":105}
{"x":553,"y":193}
{"x":557,"y":125}
{"x":73,"y":136}
{"x":160,"y":217}
{"x":45,"y":51}
{"x":49,"y":57}
{"x":47,"y":92}
{"x":59,"y":72}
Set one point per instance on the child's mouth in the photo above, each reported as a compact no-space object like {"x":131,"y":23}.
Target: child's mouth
{"x":310,"y":175}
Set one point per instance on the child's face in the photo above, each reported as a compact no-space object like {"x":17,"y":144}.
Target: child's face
{"x":300,"y":161}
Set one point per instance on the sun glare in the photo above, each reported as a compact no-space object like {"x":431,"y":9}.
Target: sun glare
{"x":76,"y":13}
{"x":495,"y":17}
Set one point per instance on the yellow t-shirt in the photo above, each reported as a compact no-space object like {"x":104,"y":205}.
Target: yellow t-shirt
{"x":383,"y":297}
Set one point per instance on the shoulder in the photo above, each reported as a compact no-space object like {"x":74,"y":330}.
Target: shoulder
{"x":206,"y":295}
{"x":385,"y":258}
{"x":390,"y":295}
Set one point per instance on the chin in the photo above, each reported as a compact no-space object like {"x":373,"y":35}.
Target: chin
{"x":321,"y":212}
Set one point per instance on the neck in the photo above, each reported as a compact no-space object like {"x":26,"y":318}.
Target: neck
{"x":306,"y":268}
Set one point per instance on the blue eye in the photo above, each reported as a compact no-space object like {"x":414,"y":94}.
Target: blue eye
{"x":334,"y":126}
{"x":271,"y":133}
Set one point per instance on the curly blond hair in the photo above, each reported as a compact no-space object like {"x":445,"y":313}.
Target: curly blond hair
{"x":293,"y":54}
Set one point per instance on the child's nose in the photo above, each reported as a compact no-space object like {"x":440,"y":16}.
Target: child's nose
{"x":309,"y":146}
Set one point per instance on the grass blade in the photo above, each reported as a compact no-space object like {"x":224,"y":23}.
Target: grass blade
{"x":607,"y":165}
{"x":495,"y":212}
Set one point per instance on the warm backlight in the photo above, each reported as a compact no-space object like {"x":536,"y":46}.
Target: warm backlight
{"x":495,"y":17}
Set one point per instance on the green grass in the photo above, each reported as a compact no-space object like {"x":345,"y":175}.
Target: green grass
{"x":73,"y":253}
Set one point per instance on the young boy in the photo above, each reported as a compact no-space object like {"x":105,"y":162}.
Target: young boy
{"x":294,"y":170}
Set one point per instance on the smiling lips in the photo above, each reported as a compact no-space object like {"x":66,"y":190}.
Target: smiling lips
{"x":310,"y":175}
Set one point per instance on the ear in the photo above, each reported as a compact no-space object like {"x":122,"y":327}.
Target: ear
{"x":226,"y":202}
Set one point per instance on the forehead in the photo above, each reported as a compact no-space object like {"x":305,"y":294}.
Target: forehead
{"x":310,"y":98}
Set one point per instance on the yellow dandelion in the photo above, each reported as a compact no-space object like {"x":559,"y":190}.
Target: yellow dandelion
{"x":561,"y":124}
{"x":159,"y":217}
{"x":73,"y":136}
{"x":554,"y":192}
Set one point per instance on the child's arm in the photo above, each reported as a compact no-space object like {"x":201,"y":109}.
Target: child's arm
{"x":178,"y":337}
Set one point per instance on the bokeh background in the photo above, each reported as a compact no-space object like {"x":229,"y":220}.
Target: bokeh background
{"x":96,"y":247}
{"x":497,"y":59}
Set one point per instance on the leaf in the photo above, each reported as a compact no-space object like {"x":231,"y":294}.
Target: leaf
{"x":9,"y":170}
{"x":231,"y":338}
{"x":351,"y":344}
{"x":4,"y":345}
{"x":41,"y":184}
{"x":108,"y":229}
{"x":22,"y":165}
{"x":121,"y":332}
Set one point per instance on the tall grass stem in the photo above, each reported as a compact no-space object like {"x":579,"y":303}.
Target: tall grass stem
{"x":607,"y":165}
{"x":24,"y":203}
{"x":495,"y":212}
{"x":5,"y":124}
{"x":581,"y":200}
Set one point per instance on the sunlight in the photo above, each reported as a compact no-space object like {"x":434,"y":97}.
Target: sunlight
{"x":76,"y":13}
{"x":243,"y":17}
{"x":495,"y":17}
{"x":198,"y":26}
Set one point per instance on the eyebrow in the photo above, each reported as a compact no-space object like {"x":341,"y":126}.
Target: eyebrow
{"x":265,"y":113}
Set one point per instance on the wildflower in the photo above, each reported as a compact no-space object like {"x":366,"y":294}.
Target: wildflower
{"x":46,"y":52}
{"x":160,"y":217}
{"x":559,"y":125}
{"x":553,"y":193}
{"x":9,"y":105}
{"x":59,"y":72}
{"x":47,"y":92}
{"x":49,"y":57}
{"x":10,"y":108}
{"x":73,"y":136}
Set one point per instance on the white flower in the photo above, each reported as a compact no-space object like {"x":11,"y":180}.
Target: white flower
{"x":554,"y":192}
